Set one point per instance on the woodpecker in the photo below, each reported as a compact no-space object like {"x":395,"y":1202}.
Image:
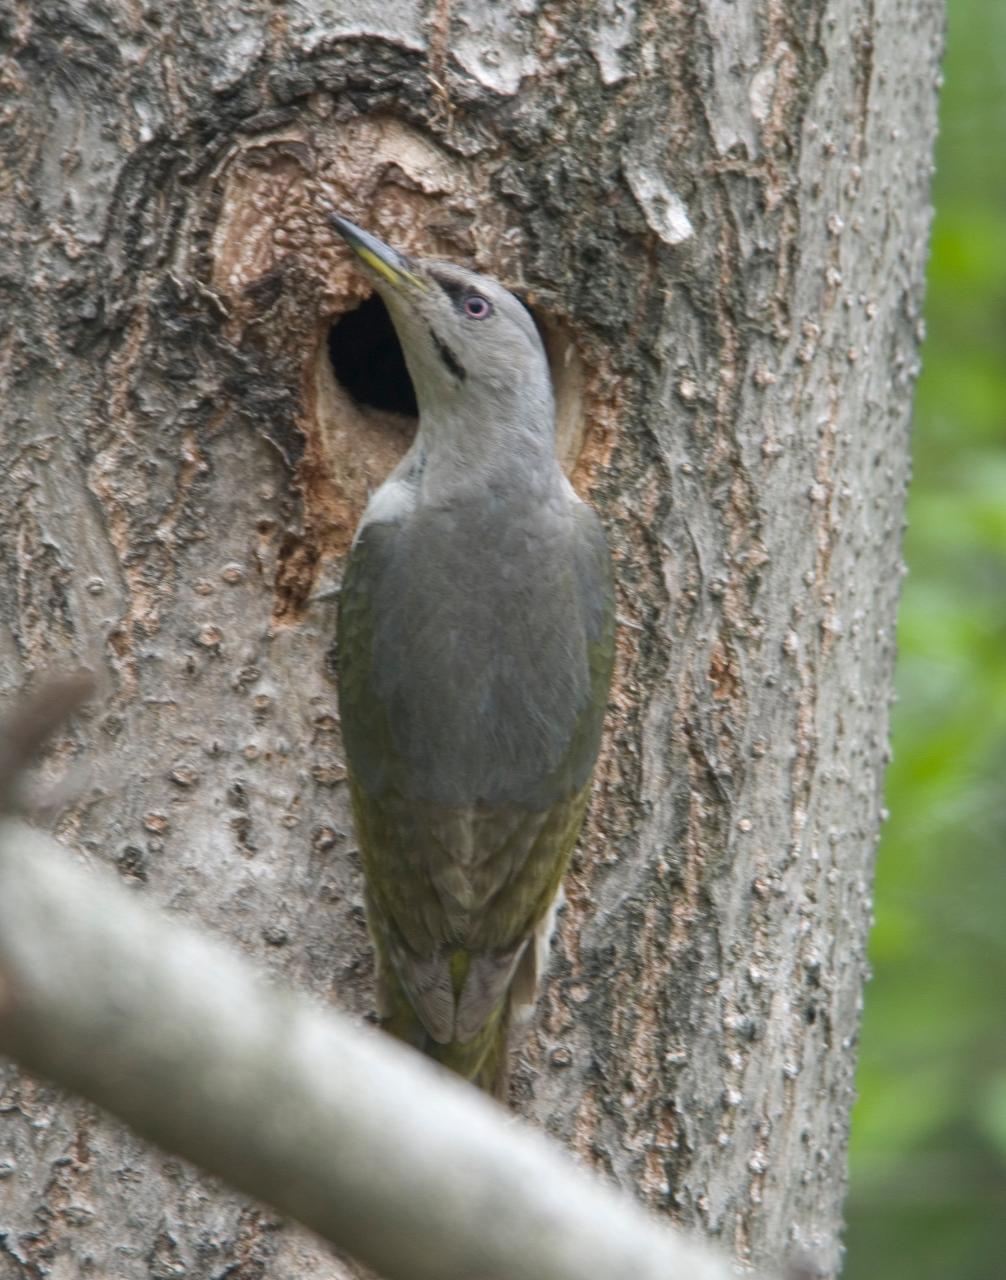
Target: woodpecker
{"x":474,"y":656}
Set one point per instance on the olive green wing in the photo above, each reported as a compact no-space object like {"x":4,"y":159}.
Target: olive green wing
{"x":519,"y":923}
{"x":527,"y":867}
{"x":405,"y":914}
{"x":456,"y":894}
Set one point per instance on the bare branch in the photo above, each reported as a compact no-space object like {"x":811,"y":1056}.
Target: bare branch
{"x":359,"y":1138}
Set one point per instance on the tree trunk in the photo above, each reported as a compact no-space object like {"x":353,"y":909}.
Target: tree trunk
{"x":718,"y":213}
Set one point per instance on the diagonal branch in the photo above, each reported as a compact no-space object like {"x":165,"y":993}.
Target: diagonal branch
{"x":416,"y":1174}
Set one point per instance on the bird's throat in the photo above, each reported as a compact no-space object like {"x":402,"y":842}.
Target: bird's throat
{"x":499,"y":454}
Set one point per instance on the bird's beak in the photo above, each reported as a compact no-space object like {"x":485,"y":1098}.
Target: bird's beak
{"x":386,"y":262}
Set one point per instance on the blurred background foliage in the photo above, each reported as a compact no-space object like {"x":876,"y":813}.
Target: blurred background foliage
{"x":928,"y":1159}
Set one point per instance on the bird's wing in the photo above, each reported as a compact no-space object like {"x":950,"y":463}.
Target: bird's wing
{"x":405,"y":915}
{"x":536,"y":871}
{"x":365,"y":728}
{"x":455,"y":896}
{"x":459,"y":889}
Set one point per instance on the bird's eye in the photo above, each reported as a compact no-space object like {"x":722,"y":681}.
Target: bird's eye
{"x":477,"y":307}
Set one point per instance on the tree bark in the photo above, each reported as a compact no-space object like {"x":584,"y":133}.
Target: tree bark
{"x":719,"y":214}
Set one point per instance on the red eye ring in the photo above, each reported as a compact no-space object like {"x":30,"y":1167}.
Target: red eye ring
{"x":476,"y":307}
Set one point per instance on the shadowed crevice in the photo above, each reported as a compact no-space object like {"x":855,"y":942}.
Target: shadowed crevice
{"x":367,"y":359}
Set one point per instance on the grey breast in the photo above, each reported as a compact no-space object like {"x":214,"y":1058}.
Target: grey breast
{"x":480,"y":652}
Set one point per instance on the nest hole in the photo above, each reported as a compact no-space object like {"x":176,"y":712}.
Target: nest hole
{"x":367,"y":359}
{"x":361,"y":413}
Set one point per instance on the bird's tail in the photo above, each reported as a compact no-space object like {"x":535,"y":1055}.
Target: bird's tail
{"x":484,"y":1060}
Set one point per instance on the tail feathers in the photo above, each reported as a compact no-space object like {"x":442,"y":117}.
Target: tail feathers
{"x":488,"y":993}
{"x":484,"y":1059}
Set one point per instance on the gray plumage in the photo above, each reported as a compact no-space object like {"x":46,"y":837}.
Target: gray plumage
{"x":474,"y":655}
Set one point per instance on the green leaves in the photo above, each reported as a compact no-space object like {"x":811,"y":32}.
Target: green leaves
{"x":929,"y":1132}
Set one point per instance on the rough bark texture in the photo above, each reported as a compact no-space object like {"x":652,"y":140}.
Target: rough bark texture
{"x":719,"y":212}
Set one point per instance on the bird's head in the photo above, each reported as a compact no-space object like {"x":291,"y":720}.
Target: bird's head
{"x":465,"y":338}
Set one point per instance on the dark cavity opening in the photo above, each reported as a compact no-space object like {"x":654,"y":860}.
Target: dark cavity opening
{"x":367,"y":359}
